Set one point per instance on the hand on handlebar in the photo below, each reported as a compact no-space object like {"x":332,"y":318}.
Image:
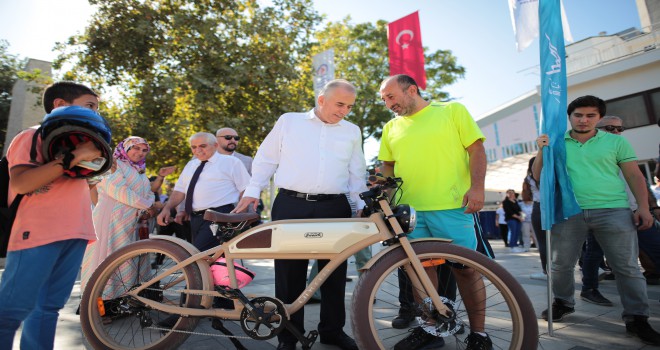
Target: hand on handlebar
{"x":245,"y":203}
{"x":376,"y":180}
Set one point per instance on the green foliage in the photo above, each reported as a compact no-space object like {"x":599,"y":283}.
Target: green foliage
{"x":168,"y":69}
{"x":361,"y":57}
{"x":184,"y":66}
{"x":9,"y":66}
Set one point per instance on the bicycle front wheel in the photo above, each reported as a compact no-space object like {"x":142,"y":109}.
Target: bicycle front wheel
{"x":510,"y":320}
{"x":112,"y":320}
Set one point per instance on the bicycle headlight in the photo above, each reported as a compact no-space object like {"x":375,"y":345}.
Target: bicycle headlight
{"x":406,"y":216}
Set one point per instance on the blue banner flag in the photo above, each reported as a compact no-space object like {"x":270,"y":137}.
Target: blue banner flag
{"x":557,"y":198}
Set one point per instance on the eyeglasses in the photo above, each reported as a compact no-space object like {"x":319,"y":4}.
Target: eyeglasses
{"x":611,"y":128}
{"x":229,"y":137}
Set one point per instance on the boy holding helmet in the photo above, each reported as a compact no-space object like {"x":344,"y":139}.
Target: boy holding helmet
{"x":52,"y":227}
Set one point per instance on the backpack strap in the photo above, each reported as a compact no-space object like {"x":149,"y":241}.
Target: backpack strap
{"x":33,"y":148}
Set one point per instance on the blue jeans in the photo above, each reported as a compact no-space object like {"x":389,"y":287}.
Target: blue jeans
{"x":591,"y":261}
{"x":514,"y":228}
{"x":616,"y":234}
{"x":649,"y":243}
{"x":36,"y":284}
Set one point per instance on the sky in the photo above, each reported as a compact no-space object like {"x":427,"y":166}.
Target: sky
{"x":478,"y":32}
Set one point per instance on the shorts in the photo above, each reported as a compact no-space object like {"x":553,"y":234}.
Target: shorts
{"x":463,"y":229}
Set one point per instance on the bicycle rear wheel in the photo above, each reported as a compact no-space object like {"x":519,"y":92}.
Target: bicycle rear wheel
{"x":127,"y":323}
{"x":510,"y":320}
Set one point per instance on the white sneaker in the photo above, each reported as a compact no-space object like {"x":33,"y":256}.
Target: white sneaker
{"x":517,"y":250}
{"x":539,"y":276}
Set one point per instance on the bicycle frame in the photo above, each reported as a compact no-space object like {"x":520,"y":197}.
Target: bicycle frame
{"x":333,"y":239}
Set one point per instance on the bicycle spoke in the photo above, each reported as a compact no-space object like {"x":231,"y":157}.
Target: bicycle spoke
{"x":497,"y":301}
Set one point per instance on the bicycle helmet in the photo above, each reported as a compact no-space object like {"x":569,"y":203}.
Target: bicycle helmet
{"x":65,"y":127}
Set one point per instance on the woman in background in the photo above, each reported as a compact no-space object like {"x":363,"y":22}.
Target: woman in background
{"x":500,"y":222}
{"x":513,"y":216}
{"x":532,"y":184}
{"x":124,"y":197}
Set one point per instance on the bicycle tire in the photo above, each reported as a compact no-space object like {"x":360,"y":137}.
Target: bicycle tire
{"x":123,"y":329}
{"x":510,"y":318}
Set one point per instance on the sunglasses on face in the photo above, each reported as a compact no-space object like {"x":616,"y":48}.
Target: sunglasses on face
{"x":229,"y":137}
{"x":611,"y":128}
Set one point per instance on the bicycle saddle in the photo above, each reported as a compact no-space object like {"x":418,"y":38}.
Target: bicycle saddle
{"x":215,"y":216}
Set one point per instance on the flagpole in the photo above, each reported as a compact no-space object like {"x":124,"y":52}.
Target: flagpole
{"x":548,"y":269}
{"x":557,"y":198}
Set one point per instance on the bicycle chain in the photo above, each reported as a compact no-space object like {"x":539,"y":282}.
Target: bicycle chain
{"x":174,"y":292}
{"x":178,"y":292}
{"x":199,"y":333}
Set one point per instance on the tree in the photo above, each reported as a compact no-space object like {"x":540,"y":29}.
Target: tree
{"x":361,"y":58}
{"x":9,"y":67}
{"x":183,"y":66}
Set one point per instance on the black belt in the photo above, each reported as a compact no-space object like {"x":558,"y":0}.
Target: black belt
{"x":201,"y":212}
{"x":310,"y":196}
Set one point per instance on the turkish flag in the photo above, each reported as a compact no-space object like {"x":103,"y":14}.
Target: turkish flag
{"x":405,"y":46}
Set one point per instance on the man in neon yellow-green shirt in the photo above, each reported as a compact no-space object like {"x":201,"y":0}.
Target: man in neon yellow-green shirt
{"x":437,"y":149}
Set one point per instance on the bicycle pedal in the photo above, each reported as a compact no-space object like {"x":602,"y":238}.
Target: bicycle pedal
{"x":310,"y":339}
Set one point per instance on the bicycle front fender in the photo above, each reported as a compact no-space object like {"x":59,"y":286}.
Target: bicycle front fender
{"x":207,"y":277}
{"x":375,"y":258}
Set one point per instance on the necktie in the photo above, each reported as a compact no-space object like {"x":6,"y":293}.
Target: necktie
{"x":191,"y":187}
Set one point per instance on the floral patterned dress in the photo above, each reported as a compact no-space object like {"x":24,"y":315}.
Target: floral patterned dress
{"x":121,"y":196}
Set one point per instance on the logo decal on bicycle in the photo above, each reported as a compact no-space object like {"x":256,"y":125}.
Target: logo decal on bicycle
{"x":313,"y":234}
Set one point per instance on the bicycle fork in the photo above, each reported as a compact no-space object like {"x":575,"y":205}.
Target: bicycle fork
{"x":421,"y":282}
{"x":418,"y":277}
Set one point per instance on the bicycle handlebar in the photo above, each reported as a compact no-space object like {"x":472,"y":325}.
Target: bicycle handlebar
{"x":378,"y":191}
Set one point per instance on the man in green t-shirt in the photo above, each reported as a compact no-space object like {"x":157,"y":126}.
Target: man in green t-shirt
{"x":437,"y":149}
{"x":596,"y":157}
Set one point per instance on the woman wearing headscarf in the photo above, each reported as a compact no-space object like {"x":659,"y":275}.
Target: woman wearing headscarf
{"x":124,"y":198}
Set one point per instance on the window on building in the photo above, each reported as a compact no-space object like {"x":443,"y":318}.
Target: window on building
{"x":631,"y":109}
{"x":655,"y":103}
{"x":636,"y":110}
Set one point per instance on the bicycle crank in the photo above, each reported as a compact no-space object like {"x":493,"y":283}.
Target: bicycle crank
{"x":263,"y":318}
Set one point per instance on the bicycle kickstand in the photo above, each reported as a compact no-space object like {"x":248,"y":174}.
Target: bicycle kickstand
{"x":305,"y":341}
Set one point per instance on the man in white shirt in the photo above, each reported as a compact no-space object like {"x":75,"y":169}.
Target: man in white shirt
{"x":227,"y":142}
{"x":318,"y":158}
{"x":220,"y":184}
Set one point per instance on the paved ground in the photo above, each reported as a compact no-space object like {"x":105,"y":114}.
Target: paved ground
{"x":590,"y":327}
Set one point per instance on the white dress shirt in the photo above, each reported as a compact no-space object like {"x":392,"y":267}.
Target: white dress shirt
{"x":311,"y":156}
{"x":220,"y":183}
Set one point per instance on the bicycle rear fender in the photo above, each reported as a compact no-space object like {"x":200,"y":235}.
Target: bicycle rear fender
{"x":375,"y":258}
{"x":207,"y":277}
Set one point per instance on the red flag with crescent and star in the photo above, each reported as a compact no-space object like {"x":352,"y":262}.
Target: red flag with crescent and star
{"x":405,"y":48}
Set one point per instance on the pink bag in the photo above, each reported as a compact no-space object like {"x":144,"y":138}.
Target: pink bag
{"x":221,"y":274}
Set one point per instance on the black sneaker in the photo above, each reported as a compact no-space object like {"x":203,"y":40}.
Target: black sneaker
{"x":593,"y":296}
{"x":641,"y":328}
{"x":403,"y":319}
{"x":559,"y":310}
{"x":475,"y":341}
{"x":419,"y":339}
